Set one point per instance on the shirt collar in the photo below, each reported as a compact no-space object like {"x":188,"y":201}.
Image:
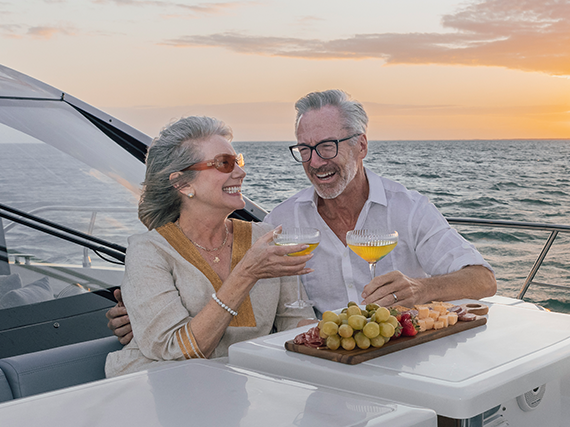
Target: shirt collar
{"x":376,"y":194}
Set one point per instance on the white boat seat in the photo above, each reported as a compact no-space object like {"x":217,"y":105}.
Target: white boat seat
{"x":5,"y":390}
{"x":57,"y":368}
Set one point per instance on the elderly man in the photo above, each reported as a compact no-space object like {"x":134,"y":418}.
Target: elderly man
{"x":431,"y":261}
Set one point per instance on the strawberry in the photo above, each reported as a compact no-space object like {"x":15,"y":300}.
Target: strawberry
{"x":409,"y":327}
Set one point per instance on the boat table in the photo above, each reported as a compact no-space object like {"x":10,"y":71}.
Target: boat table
{"x":514,"y":370}
{"x":207,"y":393}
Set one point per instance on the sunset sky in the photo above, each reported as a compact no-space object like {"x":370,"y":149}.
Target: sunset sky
{"x":424,"y":69}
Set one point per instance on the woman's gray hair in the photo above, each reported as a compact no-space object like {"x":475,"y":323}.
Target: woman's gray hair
{"x":173,"y":150}
{"x":352,"y":111}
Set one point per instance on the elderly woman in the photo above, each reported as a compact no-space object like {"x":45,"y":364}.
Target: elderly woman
{"x":197,"y":282}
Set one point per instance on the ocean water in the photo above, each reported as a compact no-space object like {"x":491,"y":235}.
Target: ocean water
{"x":518,"y":180}
{"x":515,"y":180}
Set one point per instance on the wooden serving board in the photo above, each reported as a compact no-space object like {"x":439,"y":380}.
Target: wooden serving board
{"x":357,"y":355}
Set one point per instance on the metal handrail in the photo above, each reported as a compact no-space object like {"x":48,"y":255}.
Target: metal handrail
{"x":552,"y":228}
{"x":57,"y":230}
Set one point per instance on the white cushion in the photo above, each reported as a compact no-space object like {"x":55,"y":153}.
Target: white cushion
{"x":9,"y":283}
{"x":35,"y":292}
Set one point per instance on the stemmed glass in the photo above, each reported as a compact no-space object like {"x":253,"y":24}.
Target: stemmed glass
{"x":372,"y":245}
{"x":297,"y":236}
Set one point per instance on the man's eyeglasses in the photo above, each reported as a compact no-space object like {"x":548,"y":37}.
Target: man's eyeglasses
{"x":223,"y":162}
{"x":325,"y":149}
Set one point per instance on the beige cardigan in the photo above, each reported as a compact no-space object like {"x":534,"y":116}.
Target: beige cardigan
{"x":163,"y":291}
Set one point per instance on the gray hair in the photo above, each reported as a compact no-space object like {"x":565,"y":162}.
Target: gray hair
{"x":352,"y":111}
{"x":173,"y":150}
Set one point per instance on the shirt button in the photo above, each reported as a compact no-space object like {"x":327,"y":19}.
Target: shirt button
{"x":350,"y":285}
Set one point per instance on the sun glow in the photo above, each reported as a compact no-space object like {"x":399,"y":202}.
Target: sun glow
{"x":447,"y":70}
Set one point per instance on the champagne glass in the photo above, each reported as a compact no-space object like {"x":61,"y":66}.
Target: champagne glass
{"x":372,"y":245}
{"x":297,"y":236}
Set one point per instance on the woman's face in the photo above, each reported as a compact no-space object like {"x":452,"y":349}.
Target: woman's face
{"x":215,"y":189}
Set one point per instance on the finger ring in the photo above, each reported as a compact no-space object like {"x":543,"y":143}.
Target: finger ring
{"x":395,"y":297}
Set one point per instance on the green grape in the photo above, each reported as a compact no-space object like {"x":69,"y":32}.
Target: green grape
{"x":362,"y":341}
{"x":382,"y":315}
{"x":372,"y":307}
{"x":331,"y":316}
{"x":387,"y":329}
{"x":371,"y":329}
{"x":357,"y":321}
{"x":348,"y":343}
{"x":377,"y":341}
{"x":393,"y":321}
{"x":353,"y":310}
{"x":345,"y":330}
{"x":333,"y":342}
{"x":330,"y":328}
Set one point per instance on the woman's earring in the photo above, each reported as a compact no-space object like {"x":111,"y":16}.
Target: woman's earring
{"x":190,"y":195}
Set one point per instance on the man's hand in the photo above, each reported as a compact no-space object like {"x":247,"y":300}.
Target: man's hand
{"x":119,"y":321}
{"x":395,"y":288}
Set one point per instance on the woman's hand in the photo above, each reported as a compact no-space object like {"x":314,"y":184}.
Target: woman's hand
{"x":305,"y":322}
{"x":266,"y":260}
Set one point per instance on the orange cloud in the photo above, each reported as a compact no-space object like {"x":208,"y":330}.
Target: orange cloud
{"x":10,"y":30}
{"x":202,"y":8}
{"x":528,"y":35}
{"x":43,"y":32}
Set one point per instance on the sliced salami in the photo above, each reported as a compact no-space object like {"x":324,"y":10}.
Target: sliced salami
{"x":311,"y":338}
{"x":467,"y":317}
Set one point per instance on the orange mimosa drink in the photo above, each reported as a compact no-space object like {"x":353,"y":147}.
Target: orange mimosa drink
{"x":373,"y":252}
{"x":310,"y":249}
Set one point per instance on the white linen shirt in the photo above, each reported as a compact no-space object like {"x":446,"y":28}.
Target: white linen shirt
{"x":427,"y":245}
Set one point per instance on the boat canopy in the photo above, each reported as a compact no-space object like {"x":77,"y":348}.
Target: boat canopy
{"x":31,"y":111}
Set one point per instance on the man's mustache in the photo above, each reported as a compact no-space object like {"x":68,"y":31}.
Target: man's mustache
{"x":322,"y":169}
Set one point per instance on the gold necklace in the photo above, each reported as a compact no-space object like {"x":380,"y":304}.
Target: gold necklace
{"x":216,"y":259}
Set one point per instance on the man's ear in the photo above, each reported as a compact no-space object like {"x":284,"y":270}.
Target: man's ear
{"x":363,"y":144}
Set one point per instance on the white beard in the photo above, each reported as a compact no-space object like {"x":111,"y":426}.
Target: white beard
{"x":346,"y":176}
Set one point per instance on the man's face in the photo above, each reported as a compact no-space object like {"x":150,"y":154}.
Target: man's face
{"x":329,"y":177}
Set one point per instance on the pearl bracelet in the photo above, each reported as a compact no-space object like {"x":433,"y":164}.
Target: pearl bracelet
{"x":225,"y":307}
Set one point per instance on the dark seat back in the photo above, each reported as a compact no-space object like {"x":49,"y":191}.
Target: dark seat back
{"x":57,"y":368}
{"x":5,"y":390}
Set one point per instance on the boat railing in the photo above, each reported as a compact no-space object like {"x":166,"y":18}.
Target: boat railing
{"x":116,"y":251}
{"x":551,"y":228}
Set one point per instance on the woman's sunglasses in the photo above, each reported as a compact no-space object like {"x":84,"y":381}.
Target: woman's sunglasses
{"x":223,"y":162}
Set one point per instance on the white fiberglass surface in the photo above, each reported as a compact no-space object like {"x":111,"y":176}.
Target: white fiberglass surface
{"x":458,"y":376}
{"x":13,"y":83}
{"x":511,"y":334}
{"x":209,"y":394}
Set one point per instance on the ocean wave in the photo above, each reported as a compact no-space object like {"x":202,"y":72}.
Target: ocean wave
{"x":482,"y":202}
{"x":536,"y":201}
